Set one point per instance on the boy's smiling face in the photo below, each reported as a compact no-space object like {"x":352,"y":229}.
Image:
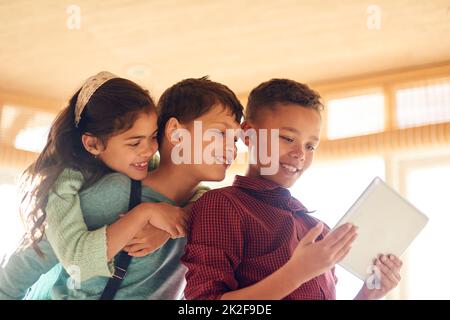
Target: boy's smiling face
{"x":206,"y":145}
{"x":221,"y":123}
{"x":299,"y":133}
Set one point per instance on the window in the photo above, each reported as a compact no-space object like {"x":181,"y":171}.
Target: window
{"x":423,"y":105}
{"x":427,"y":187}
{"x":354,"y":116}
{"x":32,"y":139}
{"x":25,"y":128}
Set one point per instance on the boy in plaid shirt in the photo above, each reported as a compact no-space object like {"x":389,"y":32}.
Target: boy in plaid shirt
{"x":253,"y":240}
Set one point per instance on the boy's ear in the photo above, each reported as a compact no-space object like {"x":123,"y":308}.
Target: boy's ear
{"x":171,"y":131}
{"x":245,"y":126}
{"x":92,"y":144}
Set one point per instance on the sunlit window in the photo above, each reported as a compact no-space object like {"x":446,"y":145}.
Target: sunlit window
{"x":354,"y":116}
{"x":423,"y":105}
{"x":25,"y":128}
{"x":32,"y":139}
{"x":429,"y":255}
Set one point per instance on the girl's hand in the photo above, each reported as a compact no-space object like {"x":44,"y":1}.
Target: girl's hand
{"x":386,"y":276}
{"x":169,"y":218}
{"x":148,"y":240}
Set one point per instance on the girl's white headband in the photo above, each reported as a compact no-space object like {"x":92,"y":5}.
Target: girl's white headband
{"x":88,"y":89}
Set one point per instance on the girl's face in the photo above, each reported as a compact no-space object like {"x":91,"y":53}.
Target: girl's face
{"x":129,"y":152}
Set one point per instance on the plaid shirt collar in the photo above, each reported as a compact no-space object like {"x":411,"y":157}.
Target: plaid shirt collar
{"x":270,"y":192}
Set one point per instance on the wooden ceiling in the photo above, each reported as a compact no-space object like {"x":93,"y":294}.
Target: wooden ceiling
{"x":241,"y":44}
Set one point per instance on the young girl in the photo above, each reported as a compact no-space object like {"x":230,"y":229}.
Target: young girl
{"x":160,"y":274}
{"x":109,"y":125}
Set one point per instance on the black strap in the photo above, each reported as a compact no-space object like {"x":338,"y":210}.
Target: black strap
{"x":123,"y":260}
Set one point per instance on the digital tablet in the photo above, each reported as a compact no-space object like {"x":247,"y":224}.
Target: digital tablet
{"x":387,"y":224}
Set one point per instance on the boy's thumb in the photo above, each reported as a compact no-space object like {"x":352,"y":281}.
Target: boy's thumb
{"x":312,"y":234}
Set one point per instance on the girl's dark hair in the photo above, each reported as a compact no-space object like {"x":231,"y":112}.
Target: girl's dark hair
{"x":111,"y":110}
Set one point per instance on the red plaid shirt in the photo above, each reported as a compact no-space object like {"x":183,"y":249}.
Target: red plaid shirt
{"x":241,"y":234}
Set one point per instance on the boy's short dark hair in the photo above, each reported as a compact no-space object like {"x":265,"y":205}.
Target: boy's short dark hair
{"x":275,"y":92}
{"x":191,"y":98}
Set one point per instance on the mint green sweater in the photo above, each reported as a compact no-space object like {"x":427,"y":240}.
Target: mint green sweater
{"x":73,"y":243}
